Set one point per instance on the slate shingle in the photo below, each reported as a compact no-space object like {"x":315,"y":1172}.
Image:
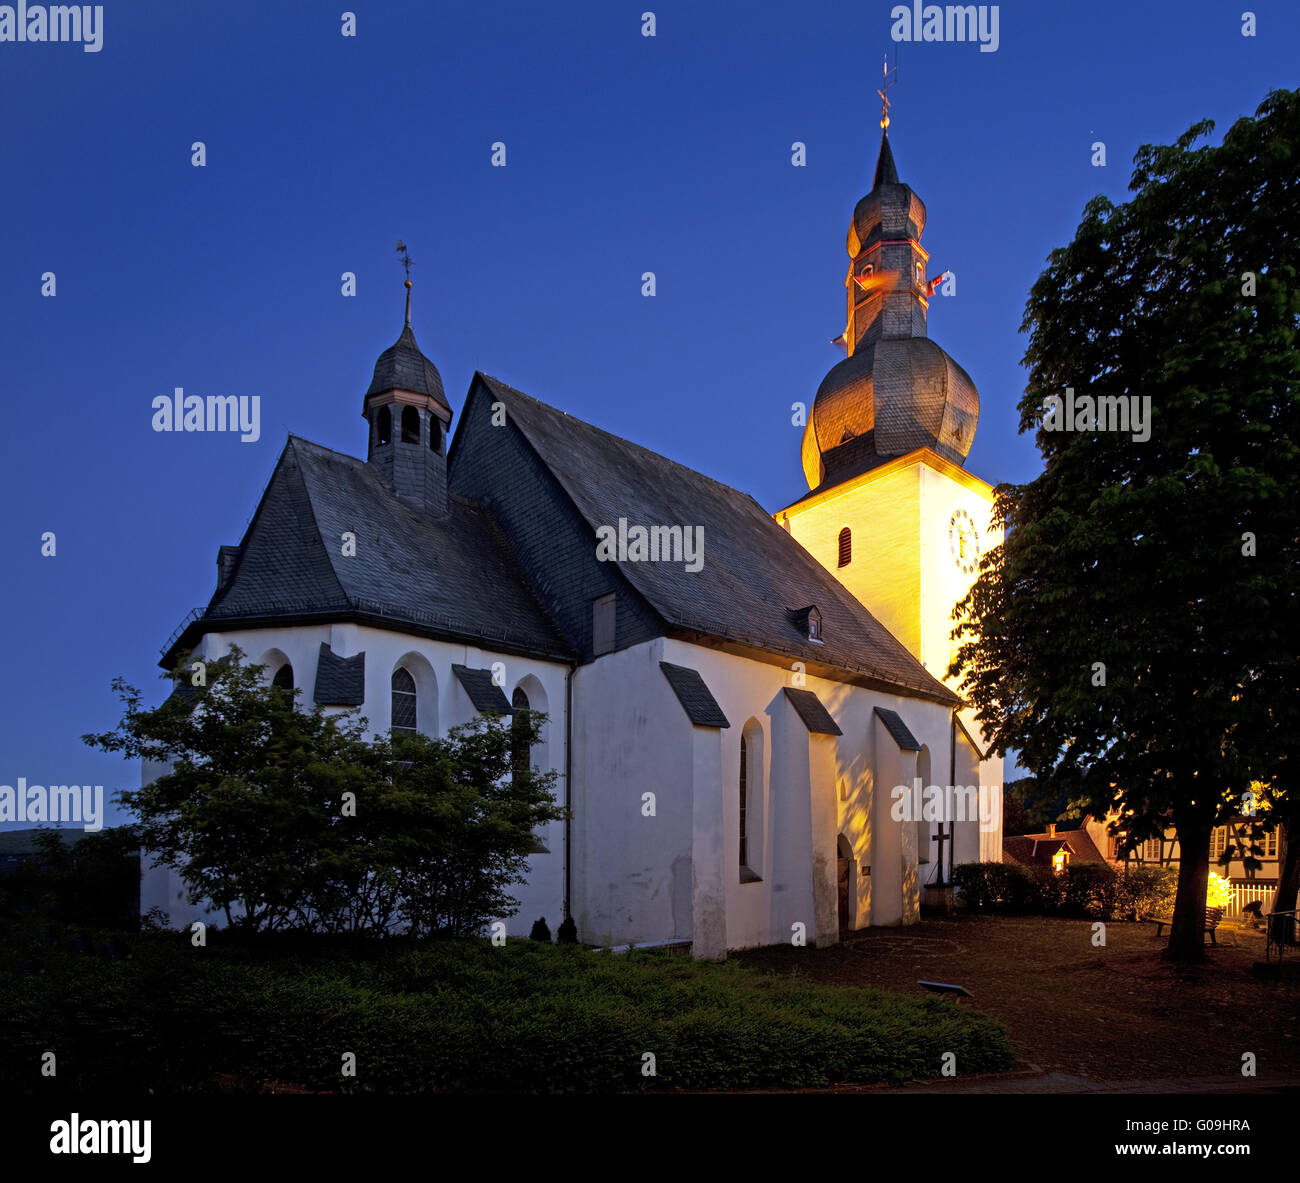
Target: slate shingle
{"x":754,"y":574}
{"x":484,"y":693}
{"x":697,"y":700}
{"x":894,"y":724}
{"x":340,"y":681}
{"x":450,"y":575}
{"x":812,"y":711}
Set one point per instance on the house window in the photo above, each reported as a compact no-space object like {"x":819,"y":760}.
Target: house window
{"x":519,"y":733}
{"x":846,"y":547}
{"x":1218,"y":842}
{"x":1270,"y":844}
{"x":1153,"y":850}
{"x":814,"y":625}
{"x":403,"y":701}
{"x":283,"y":679}
{"x":602,"y":624}
{"x":384,"y":425}
{"x":410,"y":425}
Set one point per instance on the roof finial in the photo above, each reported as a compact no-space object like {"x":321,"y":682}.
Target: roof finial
{"x":890,"y":79}
{"x":407,"y":264}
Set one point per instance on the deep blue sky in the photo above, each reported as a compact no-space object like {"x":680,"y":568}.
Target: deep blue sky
{"x":625,"y":154}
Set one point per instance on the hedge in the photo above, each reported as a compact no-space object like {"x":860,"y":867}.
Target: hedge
{"x":1093,"y":890}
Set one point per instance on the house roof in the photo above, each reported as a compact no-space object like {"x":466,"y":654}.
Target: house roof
{"x":1038,"y":849}
{"x":696,"y":698}
{"x":446,"y":576}
{"x":754,"y":575}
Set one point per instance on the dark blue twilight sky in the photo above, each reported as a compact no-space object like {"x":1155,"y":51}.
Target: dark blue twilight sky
{"x":625,"y":154}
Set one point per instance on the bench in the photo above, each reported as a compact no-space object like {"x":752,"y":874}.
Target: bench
{"x":1212,"y":918}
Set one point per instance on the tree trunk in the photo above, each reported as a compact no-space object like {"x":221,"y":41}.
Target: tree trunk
{"x":1187,"y":933}
{"x":1288,"y":880}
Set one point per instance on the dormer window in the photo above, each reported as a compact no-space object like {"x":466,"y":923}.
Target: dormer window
{"x":808,"y":622}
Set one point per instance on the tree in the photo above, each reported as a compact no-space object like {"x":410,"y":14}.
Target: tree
{"x":1136,"y":633}
{"x":293,"y":819}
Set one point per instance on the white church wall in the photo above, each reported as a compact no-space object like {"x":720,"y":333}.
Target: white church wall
{"x":441,"y":703}
{"x":637,"y":762}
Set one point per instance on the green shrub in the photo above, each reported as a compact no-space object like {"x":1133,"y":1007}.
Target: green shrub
{"x":1095,"y":891}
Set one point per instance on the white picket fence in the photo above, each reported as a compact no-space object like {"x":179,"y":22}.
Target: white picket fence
{"x":1243,"y":894}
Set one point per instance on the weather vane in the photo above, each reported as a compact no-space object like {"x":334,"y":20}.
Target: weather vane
{"x":407,"y":264}
{"x":890,"y":79}
{"x":407,"y":261}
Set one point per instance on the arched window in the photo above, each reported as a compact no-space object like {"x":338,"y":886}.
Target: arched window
{"x":846,"y":547}
{"x":750,"y":823}
{"x":283,"y":679}
{"x":404,"y":701}
{"x":384,"y":425}
{"x":925,"y":845}
{"x":435,"y":434}
{"x":410,"y":425}
{"x":519,"y":748}
{"x":744,"y":805}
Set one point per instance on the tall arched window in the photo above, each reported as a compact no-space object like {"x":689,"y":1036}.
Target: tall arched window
{"x":846,"y":547}
{"x":751,"y":802}
{"x":435,"y":434}
{"x":744,"y":805}
{"x":384,"y":425}
{"x":404,"y":701}
{"x":410,"y":425}
{"x":519,"y":748}
{"x":283,"y":679}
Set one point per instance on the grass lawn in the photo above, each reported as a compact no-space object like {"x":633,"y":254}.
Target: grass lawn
{"x":454,"y":1016}
{"x":1115,"y":1013}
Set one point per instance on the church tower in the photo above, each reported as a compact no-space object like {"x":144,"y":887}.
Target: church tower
{"x":892,"y":511}
{"x":408,"y":416}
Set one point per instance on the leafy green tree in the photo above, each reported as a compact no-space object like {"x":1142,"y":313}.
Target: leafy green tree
{"x":1136,"y":634}
{"x":293,"y":818}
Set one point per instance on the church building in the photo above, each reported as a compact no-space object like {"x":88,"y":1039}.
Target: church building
{"x":742,"y":707}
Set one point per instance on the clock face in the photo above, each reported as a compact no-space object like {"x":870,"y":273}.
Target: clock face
{"x":964,"y":541}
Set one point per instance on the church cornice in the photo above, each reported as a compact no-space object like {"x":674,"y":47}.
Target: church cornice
{"x":919,"y":456}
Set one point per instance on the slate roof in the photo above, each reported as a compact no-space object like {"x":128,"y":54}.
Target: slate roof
{"x":484,"y":693}
{"x":753,"y":572}
{"x":697,"y":700}
{"x":340,"y":681}
{"x":812,"y":711}
{"x":403,"y":367}
{"x":449,"y":576}
{"x":894,"y":724}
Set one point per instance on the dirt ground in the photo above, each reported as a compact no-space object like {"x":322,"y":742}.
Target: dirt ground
{"x":1108,"y":1014}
